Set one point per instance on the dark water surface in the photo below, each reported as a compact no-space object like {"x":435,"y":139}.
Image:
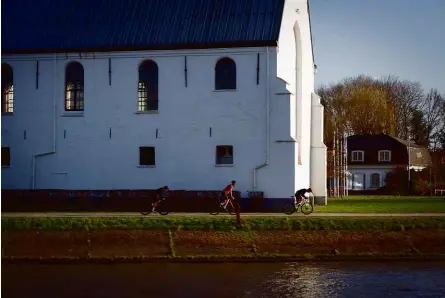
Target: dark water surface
{"x":254,"y":280}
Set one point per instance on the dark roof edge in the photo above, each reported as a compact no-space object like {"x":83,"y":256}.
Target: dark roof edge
{"x":241,"y":44}
{"x":310,"y":31}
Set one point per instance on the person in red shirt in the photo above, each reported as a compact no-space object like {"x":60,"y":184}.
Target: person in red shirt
{"x":228,"y":192}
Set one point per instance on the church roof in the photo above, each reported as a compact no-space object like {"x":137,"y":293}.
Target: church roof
{"x":46,"y":26}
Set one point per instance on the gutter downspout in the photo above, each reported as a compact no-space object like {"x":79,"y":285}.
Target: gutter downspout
{"x":266,"y":162}
{"x":53,"y":151}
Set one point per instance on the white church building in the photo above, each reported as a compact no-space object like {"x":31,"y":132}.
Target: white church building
{"x":139,"y":94}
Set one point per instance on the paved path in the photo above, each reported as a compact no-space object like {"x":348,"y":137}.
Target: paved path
{"x":135,"y":214}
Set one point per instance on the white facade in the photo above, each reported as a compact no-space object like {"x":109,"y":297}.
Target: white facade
{"x":269,"y":124}
{"x":368,"y":177}
{"x":372,"y":177}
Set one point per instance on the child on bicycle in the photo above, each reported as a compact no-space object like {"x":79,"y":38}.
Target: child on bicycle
{"x":161,"y":195}
{"x":300,"y":194}
{"x":227,"y":192}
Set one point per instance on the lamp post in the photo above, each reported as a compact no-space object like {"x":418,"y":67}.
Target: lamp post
{"x":409,"y":164}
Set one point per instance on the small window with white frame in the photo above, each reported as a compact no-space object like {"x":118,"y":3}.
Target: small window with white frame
{"x":357,"y":156}
{"x":384,"y":155}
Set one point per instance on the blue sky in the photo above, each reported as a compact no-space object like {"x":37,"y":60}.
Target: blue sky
{"x":405,"y":38}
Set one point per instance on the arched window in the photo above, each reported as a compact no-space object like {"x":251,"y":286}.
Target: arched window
{"x":7,"y":89}
{"x":225,"y":74}
{"x":148,"y":86}
{"x":74,"y":82}
{"x":375,"y":180}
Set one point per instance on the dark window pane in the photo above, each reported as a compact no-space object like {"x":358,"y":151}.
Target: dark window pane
{"x":148,"y":86}
{"x":224,"y":155}
{"x":147,"y":156}
{"x":7,"y":89}
{"x":225,"y":74}
{"x":74,"y":85}
{"x":375,"y":180}
{"x":6,"y":156}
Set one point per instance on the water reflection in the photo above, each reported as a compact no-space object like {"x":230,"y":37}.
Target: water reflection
{"x":225,"y":280}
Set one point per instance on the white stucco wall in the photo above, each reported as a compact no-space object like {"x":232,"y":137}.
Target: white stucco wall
{"x":295,"y":66}
{"x":87,"y":158}
{"x":318,"y":153}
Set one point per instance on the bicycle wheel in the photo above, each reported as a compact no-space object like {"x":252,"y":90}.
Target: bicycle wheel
{"x":288,"y":208}
{"x":216,"y":208}
{"x":146,"y":212}
{"x":306,"y":208}
{"x":162,"y":209}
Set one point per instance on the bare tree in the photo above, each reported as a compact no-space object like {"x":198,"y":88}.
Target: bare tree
{"x":433,"y":109}
{"x":406,"y":97}
{"x":363,"y":105}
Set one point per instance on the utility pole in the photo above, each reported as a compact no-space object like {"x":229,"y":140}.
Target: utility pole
{"x":335,"y":165}
{"x":345,"y":160}
{"x":409,"y":165}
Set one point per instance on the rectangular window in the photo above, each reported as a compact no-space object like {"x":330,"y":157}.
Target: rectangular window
{"x":74,"y":97}
{"x":8,"y":99}
{"x":224,"y":155}
{"x":375,"y":180}
{"x":357,"y":155}
{"x":6,"y":157}
{"x":384,"y":155}
{"x":147,"y":156}
{"x":147,"y":98}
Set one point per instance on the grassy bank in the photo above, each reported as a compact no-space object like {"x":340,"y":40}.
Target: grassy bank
{"x":384,"y":204}
{"x":154,"y":245}
{"x":224,"y":223}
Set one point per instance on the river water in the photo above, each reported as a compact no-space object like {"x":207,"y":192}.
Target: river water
{"x":256,"y":280}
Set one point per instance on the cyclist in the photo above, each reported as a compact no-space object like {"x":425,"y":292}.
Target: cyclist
{"x":228,"y":192}
{"x":300,"y":194}
{"x":161,"y":195}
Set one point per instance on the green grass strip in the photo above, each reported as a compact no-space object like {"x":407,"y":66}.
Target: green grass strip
{"x":224,"y":223}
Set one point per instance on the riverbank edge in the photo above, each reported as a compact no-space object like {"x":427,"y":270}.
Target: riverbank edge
{"x":223,"y":223}
{"x":229,"y":259}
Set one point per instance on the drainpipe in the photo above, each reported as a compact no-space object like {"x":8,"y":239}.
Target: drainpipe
{"x":53,"y":151}
{"x":266,"y":162}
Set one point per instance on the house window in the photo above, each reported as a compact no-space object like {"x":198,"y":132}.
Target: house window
{"x":224,"y":155}
{"x":357,"y":156}
{"x":7,"y":89}
{"x":74,"y":82}
{"x":148,"y":86}
{"x":384,"y":155}
{"x":375,"y":180}
{"x":225,"y":74}
{"x":147,"y":156}
{"x":6,"y":157}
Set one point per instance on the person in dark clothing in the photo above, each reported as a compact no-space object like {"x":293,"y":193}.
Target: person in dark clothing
{"x":161,"y":195}
{"x":299,"y":195}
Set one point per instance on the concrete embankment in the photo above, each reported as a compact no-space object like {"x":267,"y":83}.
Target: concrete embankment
{"x":217,"y":239}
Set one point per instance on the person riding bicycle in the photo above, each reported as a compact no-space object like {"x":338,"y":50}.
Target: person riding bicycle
{"x":227,"y":192}
{"x":161,"y":195}
{"x":300,"y":194}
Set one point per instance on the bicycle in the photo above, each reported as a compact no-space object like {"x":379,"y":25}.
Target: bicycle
{"x":160,"y":211}
{"x":306,"y":207}
{"x":227,"y":206}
